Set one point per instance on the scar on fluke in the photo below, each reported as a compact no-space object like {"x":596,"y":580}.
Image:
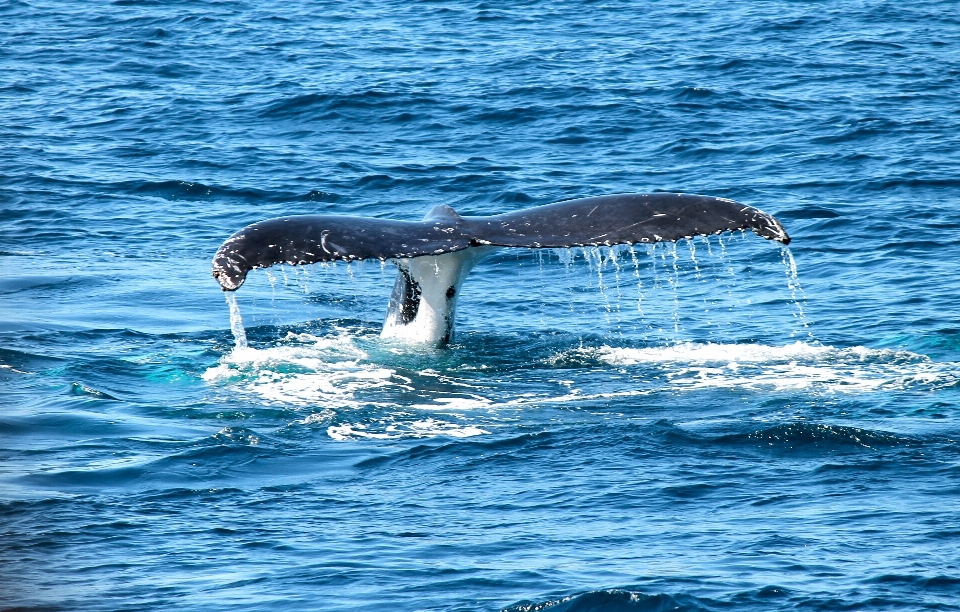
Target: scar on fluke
{"x":434,"y":256}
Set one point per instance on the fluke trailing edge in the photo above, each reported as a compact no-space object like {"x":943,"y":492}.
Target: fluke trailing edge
{"x":598,"y":221}
{"x":435,"y":255}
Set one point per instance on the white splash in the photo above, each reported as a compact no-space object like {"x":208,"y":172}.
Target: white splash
{"x":345,"y":391}
{"x":794,"y":366}
{"x":693,"y":352}
{"x":304,"y":370}
{"x":342,"y":383}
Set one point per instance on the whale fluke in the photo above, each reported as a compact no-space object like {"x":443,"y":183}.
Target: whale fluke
{"x":596,"y":221}
{"x":435,"y":255}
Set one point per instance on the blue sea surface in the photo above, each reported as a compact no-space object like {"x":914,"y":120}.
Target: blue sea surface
{"x":717,"y":424}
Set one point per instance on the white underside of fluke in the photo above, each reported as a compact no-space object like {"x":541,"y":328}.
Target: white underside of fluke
{"x":423,"y":305}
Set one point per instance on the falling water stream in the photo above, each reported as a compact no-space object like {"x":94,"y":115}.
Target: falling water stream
{"x":236,"y":322}
{"x":664,"y":298}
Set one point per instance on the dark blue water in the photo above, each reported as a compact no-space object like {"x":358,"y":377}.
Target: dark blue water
{"x":686,"y":427}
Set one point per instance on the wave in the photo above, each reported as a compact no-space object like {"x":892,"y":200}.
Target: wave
{"x":765,"y":598}
{"x":614,"y":600}
{"x":191,"y":190}
{"x":315,"y":105}
{"x":771,"y":597}
{"x":418,"y":429}
{"x":798,"y":435}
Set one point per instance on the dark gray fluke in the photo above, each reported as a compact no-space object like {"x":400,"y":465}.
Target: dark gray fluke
{"x":597,"y":221}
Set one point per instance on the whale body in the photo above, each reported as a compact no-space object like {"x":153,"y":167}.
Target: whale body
{"x":434,"y":256}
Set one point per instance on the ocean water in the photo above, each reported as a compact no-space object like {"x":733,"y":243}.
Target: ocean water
{"x":717,"y":424}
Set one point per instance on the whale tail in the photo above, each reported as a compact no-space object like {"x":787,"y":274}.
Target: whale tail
{"x":435,"y":255}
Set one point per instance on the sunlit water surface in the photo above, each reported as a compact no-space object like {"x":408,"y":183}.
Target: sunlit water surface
{"x":717,"y":424}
